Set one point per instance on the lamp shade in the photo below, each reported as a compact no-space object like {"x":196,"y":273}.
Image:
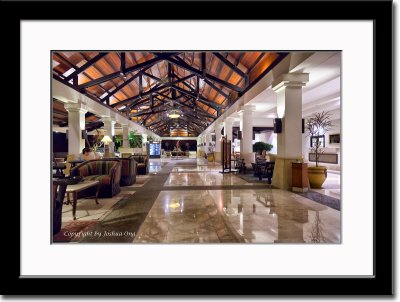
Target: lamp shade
{"x":106,"y":140}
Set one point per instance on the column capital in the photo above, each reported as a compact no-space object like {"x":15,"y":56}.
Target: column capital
{"x":229,"y":119}
{"x":108,"y":119}
{"x":246,"y":109}
{"x":75,"y":107}
{"x":290,"y":80}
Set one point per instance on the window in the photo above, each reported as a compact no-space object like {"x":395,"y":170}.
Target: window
{"x":315,"y":139}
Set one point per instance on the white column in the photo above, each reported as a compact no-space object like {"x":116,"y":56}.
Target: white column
{"x":289,"y":92}
{"x":125,"y":136}
{"x":246,"y":126}
{"x":218,"y":135}
{"x":228,"y":128}
{"x":203,"y":140}
{"x":208,"y":142}
{"x":144,"y":141}
{"x":109,"y":130}
{"x":76,"y":123}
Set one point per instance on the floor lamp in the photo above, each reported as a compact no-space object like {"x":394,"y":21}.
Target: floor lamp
{"x":106,"y":140}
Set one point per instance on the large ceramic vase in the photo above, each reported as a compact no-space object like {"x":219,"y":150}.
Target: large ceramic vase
{"x":317,"y":176}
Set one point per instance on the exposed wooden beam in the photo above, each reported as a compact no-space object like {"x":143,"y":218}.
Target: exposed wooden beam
{"x":220,"y":91}
{"x":118,"y":88}
{"x":109,"y":77}
{"x":83,"y":91}
{"x":179,"y":80}
{"x":155,"y":121}
{"x":174,"y":101}
{"x":144,"y":120}
{"x":203,"y":64}
{"x":152,"y":77}
{"x":86,"y":65}
{"x":140,"y":84}
{"x":146,"y":113}
{"x":137,"y":97}
{"x":75,"y":81}
{"x":151,"y":101}
{"x":179,"y":62}
{"x":199,"y":98}
{"x":147,"y":110}
{"x":207,"y":114}
{"x":230,"y":65}
{"x":123,"y":65}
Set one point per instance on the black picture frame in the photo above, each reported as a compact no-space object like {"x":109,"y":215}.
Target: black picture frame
{"x":315,"y":139}
{"x":381,"y":283}
{"x":334,"y":138}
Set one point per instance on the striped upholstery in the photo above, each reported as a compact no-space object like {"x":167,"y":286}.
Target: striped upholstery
{"x":128,"y":171}
{"x":107,"y":171}
{"x":143,"y":164}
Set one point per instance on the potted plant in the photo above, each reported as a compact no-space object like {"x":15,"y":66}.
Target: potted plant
{"x":97,"y":140}
{"x":259,"y":147}
{"x":317,"y":125}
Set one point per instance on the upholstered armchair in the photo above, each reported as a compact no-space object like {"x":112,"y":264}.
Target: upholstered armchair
{"x":143,"y":164}
{"x":128,"y":171}
{"x":107,"y":171}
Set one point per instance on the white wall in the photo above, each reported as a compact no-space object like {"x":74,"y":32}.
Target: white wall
{"x":329,"y":148}
{"x":267,"y":137}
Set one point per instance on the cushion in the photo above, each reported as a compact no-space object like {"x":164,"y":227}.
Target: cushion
{"x":104,"y":179}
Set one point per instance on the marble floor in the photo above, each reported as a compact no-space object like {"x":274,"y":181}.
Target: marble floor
{"x":231,"y":210}
{"x":331,"y":186}
{"x":189,"y":201}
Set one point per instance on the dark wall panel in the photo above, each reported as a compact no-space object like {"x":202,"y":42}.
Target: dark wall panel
{"x":60,"y":142}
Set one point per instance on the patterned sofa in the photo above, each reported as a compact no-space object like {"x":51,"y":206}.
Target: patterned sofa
{"x":107,"y":171}
{"x":143,"y":164}
{"x":128,"y":171}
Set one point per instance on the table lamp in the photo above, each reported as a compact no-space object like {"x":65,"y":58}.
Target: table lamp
{"x":106,"y":140}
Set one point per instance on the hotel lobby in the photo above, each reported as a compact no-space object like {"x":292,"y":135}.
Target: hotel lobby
{"x":196,"y":147}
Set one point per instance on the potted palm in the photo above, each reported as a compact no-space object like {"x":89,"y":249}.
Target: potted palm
{"x":317,"y":125}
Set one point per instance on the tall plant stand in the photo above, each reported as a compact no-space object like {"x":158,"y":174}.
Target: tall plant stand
{"x":226,"y":156}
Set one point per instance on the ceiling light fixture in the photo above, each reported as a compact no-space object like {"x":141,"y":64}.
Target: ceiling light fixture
{"x":174,"y":114}
{"x":201,"y":83}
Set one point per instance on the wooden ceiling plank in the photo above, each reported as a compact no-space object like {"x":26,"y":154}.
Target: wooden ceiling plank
{"x":86,"y":65}
{"x":118,"y":88}
{"x":114,"y":75}
{"x":73,"y":66}
{"x":137,"y":97}
{"x":220,"y":91}
{"x":199,"y":99}
{"x":229,"y":64}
